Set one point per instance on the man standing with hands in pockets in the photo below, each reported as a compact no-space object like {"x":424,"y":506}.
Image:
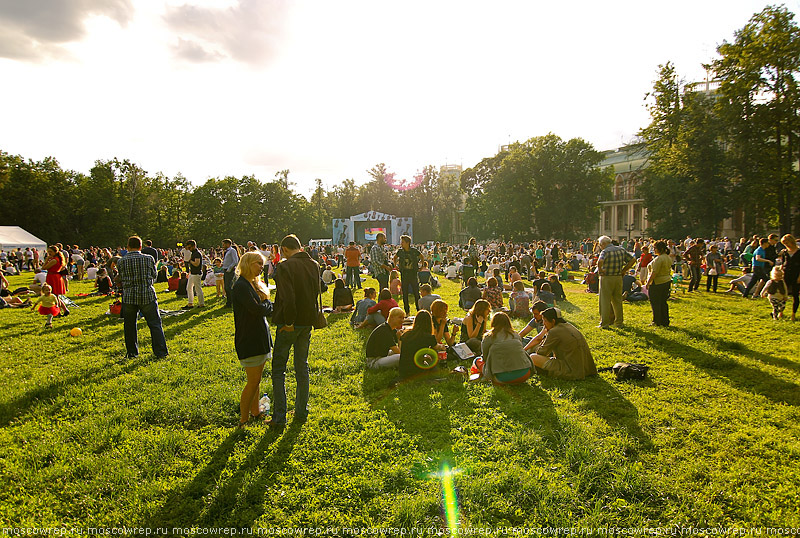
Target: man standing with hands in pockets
{"x":297,"y":288}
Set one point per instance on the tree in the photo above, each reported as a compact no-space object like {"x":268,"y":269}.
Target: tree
{"x":760,"y":102}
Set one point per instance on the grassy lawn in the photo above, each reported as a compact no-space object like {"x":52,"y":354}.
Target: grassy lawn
{"x":90,"y":439}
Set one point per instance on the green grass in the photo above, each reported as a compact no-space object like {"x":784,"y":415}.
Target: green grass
{"x":88,"y":439}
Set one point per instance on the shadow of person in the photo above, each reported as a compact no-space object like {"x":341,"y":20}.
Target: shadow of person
{"x":530,"y":407}
{"x":729,"y":370}
{"x":596,"y":394}
{"x":183,"y":505}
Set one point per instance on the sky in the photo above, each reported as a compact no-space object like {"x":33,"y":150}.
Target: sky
{"x":328,"y":89}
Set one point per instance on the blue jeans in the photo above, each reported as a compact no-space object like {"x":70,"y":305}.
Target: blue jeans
{"x":409,"y":285}
{"x":130,"y":313}
{"x":353,"y":277}
{"x":300,"y":338}
{"x":383,"y":281}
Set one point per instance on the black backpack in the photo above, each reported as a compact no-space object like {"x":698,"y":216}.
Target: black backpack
{"x":626,"y":370}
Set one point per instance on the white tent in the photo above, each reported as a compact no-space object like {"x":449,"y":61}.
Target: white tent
{"x":12,"y":237}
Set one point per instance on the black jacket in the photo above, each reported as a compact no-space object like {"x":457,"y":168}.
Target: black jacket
{"x":297,"y":281}
{"x":252,"y":335}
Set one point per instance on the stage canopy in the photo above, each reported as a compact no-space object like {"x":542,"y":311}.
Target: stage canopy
{"x":364,"y":227}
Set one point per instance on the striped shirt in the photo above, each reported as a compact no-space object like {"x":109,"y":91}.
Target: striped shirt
{"x":138,"y":272}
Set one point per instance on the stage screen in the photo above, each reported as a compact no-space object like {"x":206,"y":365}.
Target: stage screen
{"x":367,"y":230}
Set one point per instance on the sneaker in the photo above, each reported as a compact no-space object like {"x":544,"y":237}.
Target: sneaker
{"x":187,"y":307}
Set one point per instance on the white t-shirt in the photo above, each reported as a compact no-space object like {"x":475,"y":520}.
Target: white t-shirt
{"x":91,"y":273}
{"x":186,"y":254}
{"x":452,"y":272}
{"x":40,"y":277}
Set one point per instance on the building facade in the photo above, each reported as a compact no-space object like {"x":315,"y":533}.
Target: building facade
{"x":624,"y":215}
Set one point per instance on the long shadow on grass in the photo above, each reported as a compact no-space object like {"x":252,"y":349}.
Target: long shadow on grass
{"x":741,"y":349}
{"x":740,"y":376}
{"x":185,"y":506}
{"x":531,"y":407}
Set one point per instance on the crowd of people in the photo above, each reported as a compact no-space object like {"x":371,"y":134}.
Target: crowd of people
{"x":494,"y":291}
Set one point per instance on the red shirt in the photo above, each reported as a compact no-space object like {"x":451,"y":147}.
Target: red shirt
{"x":353,"y":256}
{"x":645,"y":260}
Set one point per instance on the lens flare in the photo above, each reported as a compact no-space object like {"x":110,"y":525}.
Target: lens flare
{"x":449,"y":497}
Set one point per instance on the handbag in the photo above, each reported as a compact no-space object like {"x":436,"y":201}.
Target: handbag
{"x":320,"y":322}
{"x":712,"y":271}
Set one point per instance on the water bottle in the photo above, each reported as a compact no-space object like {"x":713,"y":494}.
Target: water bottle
{"x":263,"y":403}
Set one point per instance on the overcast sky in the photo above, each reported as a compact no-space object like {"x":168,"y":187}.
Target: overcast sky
{"x":329,"y":88}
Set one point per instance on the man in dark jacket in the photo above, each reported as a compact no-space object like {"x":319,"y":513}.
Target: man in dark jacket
{"x":297,"y":281}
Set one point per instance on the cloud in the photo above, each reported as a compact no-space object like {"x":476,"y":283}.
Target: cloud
{"x":36,"y":29}
{"x":248,"y":32}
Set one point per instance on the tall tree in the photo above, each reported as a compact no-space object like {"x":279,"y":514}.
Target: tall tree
{"x":759,"y":73}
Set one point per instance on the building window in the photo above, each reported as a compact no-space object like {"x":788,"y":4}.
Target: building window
{"x":606,"y":219}
{"x":622,"y":216}
{"x":618,"y":188}
{"x":637,"y":217}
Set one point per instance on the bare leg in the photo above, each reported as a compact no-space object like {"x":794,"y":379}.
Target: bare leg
{"x":250,"y":393}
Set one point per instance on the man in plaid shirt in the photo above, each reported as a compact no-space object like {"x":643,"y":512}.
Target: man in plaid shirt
{"x":379,"y":261}
{"x":137,"y":272}
{"x":614,"y":261}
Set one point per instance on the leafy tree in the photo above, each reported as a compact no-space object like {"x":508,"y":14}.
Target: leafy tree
{"x":760,"y":103}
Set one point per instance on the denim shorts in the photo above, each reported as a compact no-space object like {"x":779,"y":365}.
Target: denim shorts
{"x":255,"y":360}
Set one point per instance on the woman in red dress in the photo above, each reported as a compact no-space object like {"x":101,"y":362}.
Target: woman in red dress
{"x":54,"y":264}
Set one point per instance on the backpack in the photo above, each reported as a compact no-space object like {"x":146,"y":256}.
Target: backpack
{"x":626,"y":370}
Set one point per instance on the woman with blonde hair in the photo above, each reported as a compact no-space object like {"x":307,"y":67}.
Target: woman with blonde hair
{"x":791,"y":271}
{"x":252,"y":339}
{"x":504,"y":358}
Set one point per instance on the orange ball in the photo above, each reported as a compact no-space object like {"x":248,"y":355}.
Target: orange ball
{"x":75,"y":332}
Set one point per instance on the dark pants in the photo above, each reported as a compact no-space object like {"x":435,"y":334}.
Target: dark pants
{"x":409,"y":283}
{"x":759,"y":273}
{"x":227,"y":277}
{"x":130,"y":313}
{"x":300,"y":338}
{"x":659,"y":293}
{"x":383,"y":281}
{"x":694,"y":282}
{"x":711,"y":282}
{"x":353,"y":277}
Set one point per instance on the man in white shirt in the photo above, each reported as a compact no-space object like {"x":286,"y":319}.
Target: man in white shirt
{"x":740,"y":284}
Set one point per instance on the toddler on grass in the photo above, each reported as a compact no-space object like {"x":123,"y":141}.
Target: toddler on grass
{"x":776,"y":291}
{"x":49,"y":305}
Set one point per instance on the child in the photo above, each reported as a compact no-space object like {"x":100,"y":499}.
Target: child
{"x":519,"y":301}
{"x":359,"y":317}
{"x":219,"y":272}
{"x":394,"y":284}
{"x":776,"y":291}
{"x":51,"y":305}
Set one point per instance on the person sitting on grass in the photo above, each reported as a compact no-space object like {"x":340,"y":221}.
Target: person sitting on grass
{"x":328,"y":275}
{"x":474,"y":325}
{"x":563,"y":273}
{"x":427,"y":297}
{"x":451,"y":273}
{"x":537,"y":282}
{"x":505,"y":362}
{"x":383,"y":351}
{"x":740,"y":283}
{"x":519,"y":301}
{"x":380,"y":311}
{"x":470,"y":294}
{"x":342,"y":297}
{"x":546,"y":295}
{"x":561,"y":349}
{"x":513,"y":276}
{"x":592,"y":280}
{"x":441,"y":325}
{"x":183,"y":284}
{"x":424,"y":275}
{"x":493,"y":293}
{"x":359,"y":317}
{"x":50,"y":305}
{"x":497,"y":277}
{"x":103,"y":283}
{"x":420,"y":336}
{"x":535,"y":324}
{"x":174,"y":281}
{"x":556,"y":288}
{"x":160,"y":278}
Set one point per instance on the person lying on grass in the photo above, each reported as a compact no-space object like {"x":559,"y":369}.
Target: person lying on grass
{"x":504,"y":359}
{"x":383,"y":350}
{"x":561,"y":349}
